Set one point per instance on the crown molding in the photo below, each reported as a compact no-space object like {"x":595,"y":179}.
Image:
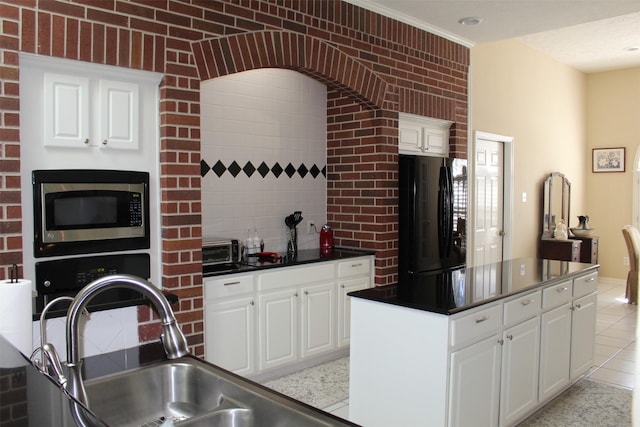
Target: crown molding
{"x":390,"y":13}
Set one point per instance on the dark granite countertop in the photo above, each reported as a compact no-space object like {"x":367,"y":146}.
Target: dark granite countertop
{"x":305,"y":256}
{"x":460,"y":289}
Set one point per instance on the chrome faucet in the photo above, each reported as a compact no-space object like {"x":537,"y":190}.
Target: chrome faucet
{"x":173,"y":340}
{"x":50,"y":363}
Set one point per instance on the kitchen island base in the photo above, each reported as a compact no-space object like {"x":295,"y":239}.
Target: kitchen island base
{"x":493,"y":364}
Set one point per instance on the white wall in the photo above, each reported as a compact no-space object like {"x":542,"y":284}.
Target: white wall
{"x":271,"y":116}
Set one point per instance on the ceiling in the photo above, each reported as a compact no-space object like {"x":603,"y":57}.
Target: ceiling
{"x":589,"y":35}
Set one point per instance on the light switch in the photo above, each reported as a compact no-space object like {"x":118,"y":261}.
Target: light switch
{"x":524,"y":197}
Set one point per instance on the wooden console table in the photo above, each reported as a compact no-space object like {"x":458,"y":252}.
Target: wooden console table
{"x":588,"y":249}
{"x":562,"y":250}
{"x":579,"y":249}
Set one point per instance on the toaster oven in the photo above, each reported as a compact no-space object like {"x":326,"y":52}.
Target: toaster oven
{"x":220,"y":255}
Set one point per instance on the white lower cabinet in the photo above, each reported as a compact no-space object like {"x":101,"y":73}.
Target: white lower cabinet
{"x":555,"y":351}
{"x":272,"y":318}
{"x":318,"y":319}
{"x":230,"y":334}
{"x":506,"y":359}
{"x":520,"y":361}
{"x":344,"y":306}
{"x":278,"y":328}
{"x":474,"y":388}
{"x":583,"y":326}
{"x":230,"y":323}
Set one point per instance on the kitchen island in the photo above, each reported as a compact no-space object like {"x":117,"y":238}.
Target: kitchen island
{"x":486,"y":346}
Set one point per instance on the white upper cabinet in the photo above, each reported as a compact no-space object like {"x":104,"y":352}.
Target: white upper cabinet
{"x":66,"y":110}
{"x":423,"y":135}
{"x":88,"y":112}
{"x":119,"y":111}
{"x":92,"y":107}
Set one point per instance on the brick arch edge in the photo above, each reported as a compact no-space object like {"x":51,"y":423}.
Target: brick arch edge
{"x":282,"y":49}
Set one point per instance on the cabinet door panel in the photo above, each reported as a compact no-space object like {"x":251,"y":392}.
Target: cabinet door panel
{"x":230,"y":334}
{"x":583,"y":329}
{"x":520,"y":364}
{"x":474,"y":389}
{"x":434,"y":140}
{"x":66,"y":110}
{"x":318,"y":323}
{"x":410,"y":138}
{"x":555,"y":347}
{"x":344,"y":307}
{"x":119,"y":113}
{"x":278,"y":328}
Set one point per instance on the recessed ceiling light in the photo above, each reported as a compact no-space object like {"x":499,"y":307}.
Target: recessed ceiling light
{"x":470,"y":20}
{"x":632,"y":48}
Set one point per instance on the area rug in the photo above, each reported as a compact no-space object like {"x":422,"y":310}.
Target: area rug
{"x":586,"y":403}
{"x":319,"y":386}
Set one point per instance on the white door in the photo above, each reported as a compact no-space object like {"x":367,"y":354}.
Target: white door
{"x":489,"y":198}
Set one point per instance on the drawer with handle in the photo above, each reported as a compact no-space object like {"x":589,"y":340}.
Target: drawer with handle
{"x":475,"y":326}
{"x":227,"y":286}
{"x":556,"y":295}
{"x":522,"y":307}
{"x":585,"y":285}
{"x":354,"y":267}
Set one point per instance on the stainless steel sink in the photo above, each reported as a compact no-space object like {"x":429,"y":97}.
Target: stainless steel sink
{"x":190,"y":392}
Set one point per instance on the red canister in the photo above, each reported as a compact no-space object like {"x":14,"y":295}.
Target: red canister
{"x":326,"y":238}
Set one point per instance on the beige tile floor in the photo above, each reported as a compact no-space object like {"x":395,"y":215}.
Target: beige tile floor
{"x":615,"y":352}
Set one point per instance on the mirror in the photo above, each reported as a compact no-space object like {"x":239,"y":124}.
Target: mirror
{"x":555,"y":202}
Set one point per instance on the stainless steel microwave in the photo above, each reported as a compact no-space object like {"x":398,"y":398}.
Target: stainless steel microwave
{"x":79,"y":211}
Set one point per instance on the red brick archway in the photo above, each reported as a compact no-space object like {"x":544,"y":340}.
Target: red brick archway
{"x":361,"y":136}
{"x":281,"y":49}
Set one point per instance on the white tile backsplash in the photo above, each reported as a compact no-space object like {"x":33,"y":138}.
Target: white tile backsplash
{"x":267,"y":115}
{"x":102,"y":332}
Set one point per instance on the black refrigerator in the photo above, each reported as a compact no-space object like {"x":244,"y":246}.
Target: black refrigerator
{"x":433,"y":207}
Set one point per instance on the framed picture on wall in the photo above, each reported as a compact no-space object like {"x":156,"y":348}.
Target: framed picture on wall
{"x":608,"y":159}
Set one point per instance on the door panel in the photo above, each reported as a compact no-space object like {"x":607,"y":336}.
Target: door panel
{"x":489,"y":195}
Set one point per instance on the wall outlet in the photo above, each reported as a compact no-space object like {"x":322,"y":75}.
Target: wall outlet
{"x":311,"y":227}
{"x":625,"y":260}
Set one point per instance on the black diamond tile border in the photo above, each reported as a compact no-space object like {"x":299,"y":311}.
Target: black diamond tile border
{"x":234,"y":168}
{"x":219,"y":168}
{"x":204,"y":168}
{"x":263,"y":170}
{"x":276,"y":170}
{"x":249,"y":169}
{"x":290,"y":170}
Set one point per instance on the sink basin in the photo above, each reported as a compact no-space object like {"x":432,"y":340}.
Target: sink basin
{"x":190,"y":392}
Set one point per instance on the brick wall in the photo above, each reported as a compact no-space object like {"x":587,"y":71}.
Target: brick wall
{"x":13,"y":397}
{"x":374,"y":67}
